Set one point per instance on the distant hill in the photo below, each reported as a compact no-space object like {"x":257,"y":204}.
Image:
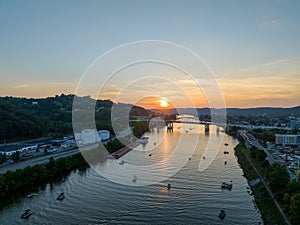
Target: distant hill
{"x":52,"y":116}
{"x":261,"y":111}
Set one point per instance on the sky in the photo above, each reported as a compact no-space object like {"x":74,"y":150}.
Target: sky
{"x":252,"y":47}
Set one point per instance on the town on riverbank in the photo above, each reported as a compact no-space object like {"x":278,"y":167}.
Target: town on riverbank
{"x":269,"y":157}
{"x":268,"y":153}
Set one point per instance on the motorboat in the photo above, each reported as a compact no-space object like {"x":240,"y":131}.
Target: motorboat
{"x":222,"y":214}
{"x":144,"y":140}
{"x":134,"y":179}
{"x":226,"y":185}
{"x":61,"y":196}
{"x":31,"y":194}
{"x":26,"y":214}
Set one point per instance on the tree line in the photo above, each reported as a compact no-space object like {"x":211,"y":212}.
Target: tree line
{"x":12,"y":182}
{"x":286,"y":192}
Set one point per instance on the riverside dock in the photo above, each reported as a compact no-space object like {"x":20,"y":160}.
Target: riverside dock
{"x":117,"y":154}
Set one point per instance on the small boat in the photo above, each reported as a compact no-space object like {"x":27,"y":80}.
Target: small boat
{"x":190,"y":158}
{"x":226,"y":185}
{"x":144,"y":140}
{"x":226,"y":144}
{"x":31,"y":194}
{"x":226,"y":152}
{"x":222,"y":214}
{"x":169,"y":186}
{"x":26,"y":214}
{"x":134,"y":179}
{"x":61,"y":196}
{"x":154,"y":143}
{"x":225,"y":162}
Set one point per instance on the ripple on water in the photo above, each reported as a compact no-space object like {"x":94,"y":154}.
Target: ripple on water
{"x":194,"y":198}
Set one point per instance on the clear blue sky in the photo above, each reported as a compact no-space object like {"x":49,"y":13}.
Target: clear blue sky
{"x":45,"y":46}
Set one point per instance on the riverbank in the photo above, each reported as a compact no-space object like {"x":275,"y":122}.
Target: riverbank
{"x":265,"y":203}
{"x":32,"y":178}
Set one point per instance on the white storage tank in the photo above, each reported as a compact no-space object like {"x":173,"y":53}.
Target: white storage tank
{"x":103,"y":134}
{"x":89,"y":136}
{"x":77,"y":136}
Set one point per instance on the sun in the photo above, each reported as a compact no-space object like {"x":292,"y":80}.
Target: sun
{"x":163,"y":103}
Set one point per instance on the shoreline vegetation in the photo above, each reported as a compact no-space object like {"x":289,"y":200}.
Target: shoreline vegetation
{"x":14,"y":185}
{"x":17,"y":184}
{"x":286,"y":192}
{"x":269,"y":212}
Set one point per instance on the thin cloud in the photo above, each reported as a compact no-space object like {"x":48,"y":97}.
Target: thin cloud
{"x":270,"y":23}
{"x":19,"y":86}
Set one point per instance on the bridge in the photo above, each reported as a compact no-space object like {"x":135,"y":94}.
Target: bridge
{"x":186,"y":119}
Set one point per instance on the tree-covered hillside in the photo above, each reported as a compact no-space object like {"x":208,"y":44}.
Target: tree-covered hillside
{"x":16,"y":123}
{"x":52,"y":116}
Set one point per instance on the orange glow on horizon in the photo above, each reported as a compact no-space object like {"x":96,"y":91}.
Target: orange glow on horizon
{"x":163,"y":103}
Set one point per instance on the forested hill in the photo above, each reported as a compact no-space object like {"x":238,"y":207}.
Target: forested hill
{"x":260,"y":111}
{"x":16,"y":123}
{"x":51,"y":116}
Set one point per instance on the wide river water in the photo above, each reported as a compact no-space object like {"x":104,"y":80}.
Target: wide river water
{"x":195,"y":196}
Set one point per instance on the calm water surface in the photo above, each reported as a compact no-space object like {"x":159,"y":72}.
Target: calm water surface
{"x":195,"y":197}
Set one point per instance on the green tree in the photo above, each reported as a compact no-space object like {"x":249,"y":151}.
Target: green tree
{"x":265,"y":164}
{"x":15,"y":156}
{"x":261,"y":155}
{"x":293,"y":187}
{"x":3,"y":159}
{"x":277,"y":176}
{"x":267,"y":136}
{"x":295,"y":209}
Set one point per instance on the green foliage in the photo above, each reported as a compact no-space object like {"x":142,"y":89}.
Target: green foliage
{"x":267,"y":136}
{"x":261,"y":155}
{"x":15,"y":156}
{"x":3,"y":159}
{"x":114,"y":145}
{"x":277,"y":176}
{"x":140,"y":128}
{"x":52,"y":116}
{"x":270,"y":214}
{"x":253,"y":152}
{"x":232,"y":131}
{"x":293,"y":187}
{"x":12,"y":182}
{"x":15,"y":123}
{"x":265,"y":164}
{"x":295,"y":209}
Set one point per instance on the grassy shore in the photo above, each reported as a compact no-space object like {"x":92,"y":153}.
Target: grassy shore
{"x":269,"y":211}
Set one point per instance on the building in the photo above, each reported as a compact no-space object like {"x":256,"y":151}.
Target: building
{"x":89,"y":136}
{"x":77,"y":136}
{"x":103,"y":134}
{"x":287,"y":139}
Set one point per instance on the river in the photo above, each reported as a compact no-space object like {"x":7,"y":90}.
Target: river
{"x":195,"y":196}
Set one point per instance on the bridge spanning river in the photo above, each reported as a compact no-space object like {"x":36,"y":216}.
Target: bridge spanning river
{"x":186,"y":119}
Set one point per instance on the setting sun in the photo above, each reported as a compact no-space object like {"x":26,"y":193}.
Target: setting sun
{"x":163,"y":103}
